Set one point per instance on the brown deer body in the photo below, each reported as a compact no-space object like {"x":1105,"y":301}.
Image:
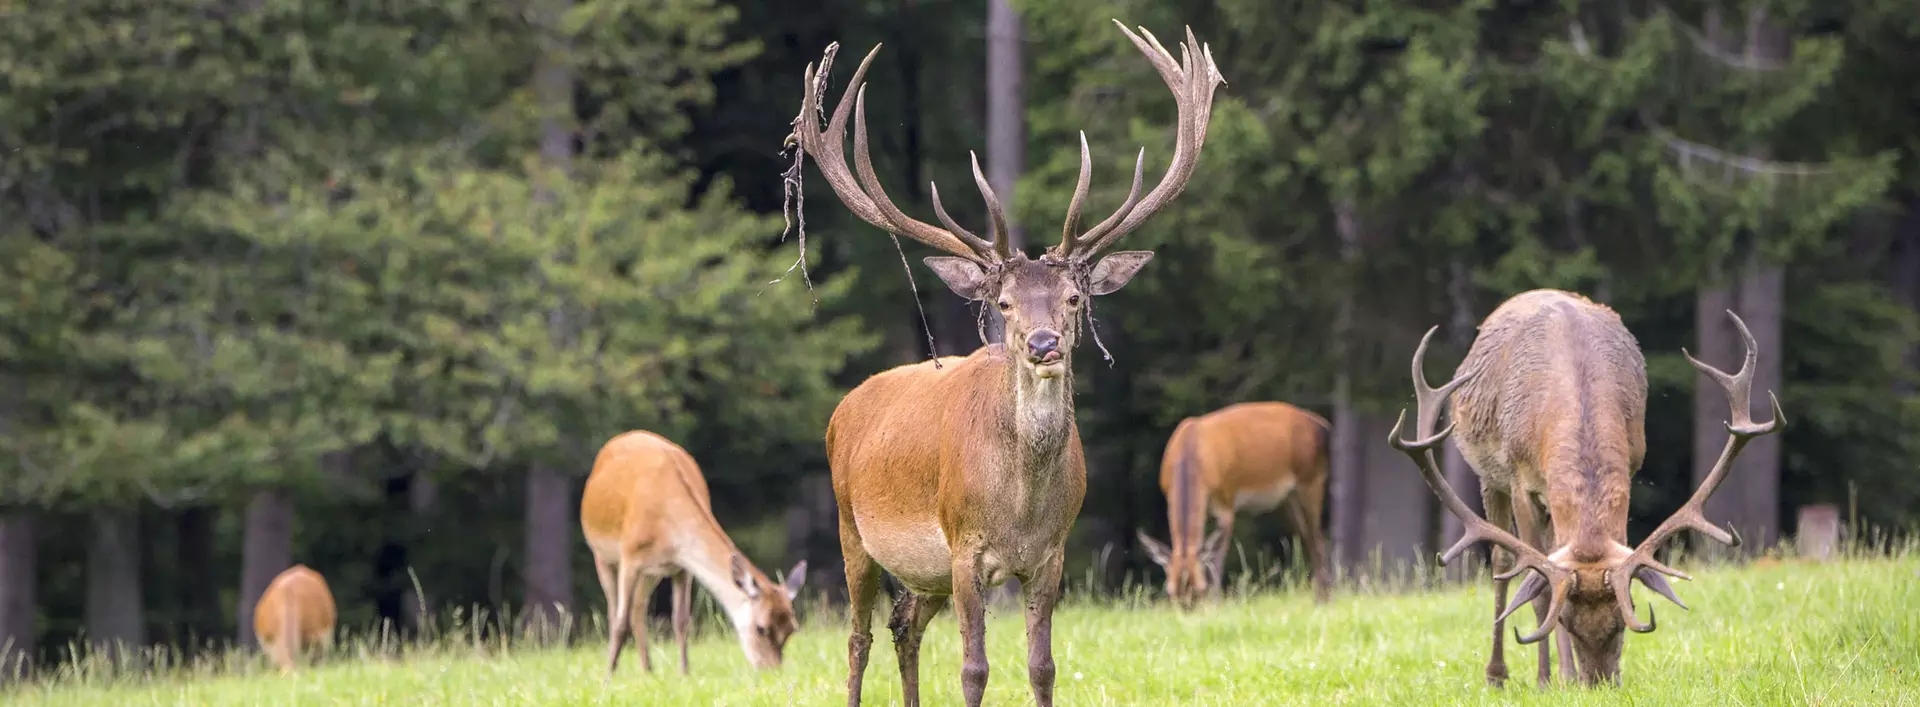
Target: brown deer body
{"x":294,"y":614}
{"x":957,"y":474}
{"x":647,"y":516}
{"x":1550,"y":410}
{"x":1246,"y":457}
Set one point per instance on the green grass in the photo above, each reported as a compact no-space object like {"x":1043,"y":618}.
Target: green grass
{"x":1845,"y":632}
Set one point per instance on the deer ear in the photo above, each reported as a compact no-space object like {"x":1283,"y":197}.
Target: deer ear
{"x":1156,"y":551}
{"x":1652,"y":580}
{"x":1212,"y":546}
{"x":1114,"y":271}
{"x":796,"y":578}
{"x":743,"y":578}
{"x":963,"y":276}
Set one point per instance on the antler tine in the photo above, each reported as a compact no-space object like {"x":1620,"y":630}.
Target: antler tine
{"x":1079,"y":198}
{"x":1192,"y":81}
{"x":861,"y":192}
{"x":997,"y":218}
{"x":1741,"y":429}
{"x":1475,"y":528}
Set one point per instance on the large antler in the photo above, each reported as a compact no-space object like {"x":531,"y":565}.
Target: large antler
{"x":1192,"y":88}
{"x":1527,"y":557}
{"x":1741,"y":430}
{"x":863,"y":194}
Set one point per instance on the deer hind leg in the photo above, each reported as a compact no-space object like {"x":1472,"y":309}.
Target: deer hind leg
{"x":1529,"y":521}
{"x":631,"y":587}
{"x":1043,"y":594}
{"x":863,"y":584}
{"x":911,"y":613}
{"x":1499,"y":507}
{"x":1305,"y":505}
{"x":682,"y":613}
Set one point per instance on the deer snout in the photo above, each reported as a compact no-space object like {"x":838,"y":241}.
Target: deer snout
{"x":1043,"y":346}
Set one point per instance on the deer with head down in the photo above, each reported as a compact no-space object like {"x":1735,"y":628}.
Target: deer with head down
{"x":1249,"y":457}
{"x":294,"y":615}
{"x":1550,"y":405}
{"x":647,"y":516}
{"x":957,"y":474}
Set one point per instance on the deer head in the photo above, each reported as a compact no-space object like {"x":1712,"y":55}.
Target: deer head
{"x":1043,"y":299}
{"x":1592,"y":600}
{"x":1192,"y":575}
{"x":769,"y":613}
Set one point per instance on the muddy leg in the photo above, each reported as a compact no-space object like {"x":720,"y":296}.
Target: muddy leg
{"x":1043,"y":593}
{"x":972,"y":612}
{"x":909,"y":623}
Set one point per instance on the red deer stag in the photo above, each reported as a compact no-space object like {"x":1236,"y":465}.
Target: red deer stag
{"x":647,"y":516}
{"x":294,"y":614}
{"x":957,"y":474}
{"x":1551,"y":409}
{"x":1243,"y":457}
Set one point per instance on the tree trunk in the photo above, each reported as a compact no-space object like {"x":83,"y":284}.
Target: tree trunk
{"x":1397,"y":506}
{"x":116,"y":616}
{"x":547,"y":570}
{"x":813,"y":534}
{"x":18,"y":576}
{"x":1749,"y":500}
{"x":1006,"y":110}
{"x":201,"y":618}
{"x":1345,"y":500}
{"x":1905,"y":276}
{"x":423,"y":496}
{"x":265,"y":552}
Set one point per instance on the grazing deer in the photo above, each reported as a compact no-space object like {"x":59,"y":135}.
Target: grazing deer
{"x":1551,"y":409}
{"x":1243,"y":457}
{"x":294,"y":614}
{"x":959,"y":473}
{"x":647,"y":516}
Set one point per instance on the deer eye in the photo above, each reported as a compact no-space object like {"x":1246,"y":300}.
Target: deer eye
{"x":1073,"y":300}
{"x":1005,"y":305}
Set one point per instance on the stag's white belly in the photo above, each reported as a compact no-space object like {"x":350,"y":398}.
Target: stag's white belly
{"x":915,"y":552}
{"x":1261,"y":500}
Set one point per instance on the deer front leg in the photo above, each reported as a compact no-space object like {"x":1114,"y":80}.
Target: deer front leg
{"x":1500,"y":513}
{"x":682,"y":613}
{"x":972,"y":613}
{"x":1223,"y":523}
{"x":1563,"y":640}
{"x":1043,"y":594}
{"x":1527,"y":522}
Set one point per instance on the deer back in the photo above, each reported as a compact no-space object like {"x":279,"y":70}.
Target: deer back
{"x":1557,"y":410}
{"x":297,"y":609}
{"x":642,"y":487}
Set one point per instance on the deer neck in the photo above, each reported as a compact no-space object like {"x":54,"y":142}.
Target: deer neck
{"x":707,"y":554}
{"x":1186,"y":506}
{"x":1042,"y":412}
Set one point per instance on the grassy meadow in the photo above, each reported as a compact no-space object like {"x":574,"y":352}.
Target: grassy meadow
{"x":1771,"y":633}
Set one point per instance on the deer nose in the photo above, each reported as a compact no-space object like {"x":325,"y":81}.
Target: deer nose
{"x":1043,"y":346}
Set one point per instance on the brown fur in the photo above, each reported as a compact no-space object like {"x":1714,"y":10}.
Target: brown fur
{"x":647,"y":516}
{"x":294,"y":614}
{"x":959,"y":474}
{"x":1554,"y":424}
{"x":1247,"y":456}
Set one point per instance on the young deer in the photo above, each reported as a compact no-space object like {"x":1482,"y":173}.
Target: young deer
{"x":647,"y":516}
{"x":294,"y":614}
{"x":957,"y":474}
{"x":1244,"y":457}
{"x":1551,"y":409}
